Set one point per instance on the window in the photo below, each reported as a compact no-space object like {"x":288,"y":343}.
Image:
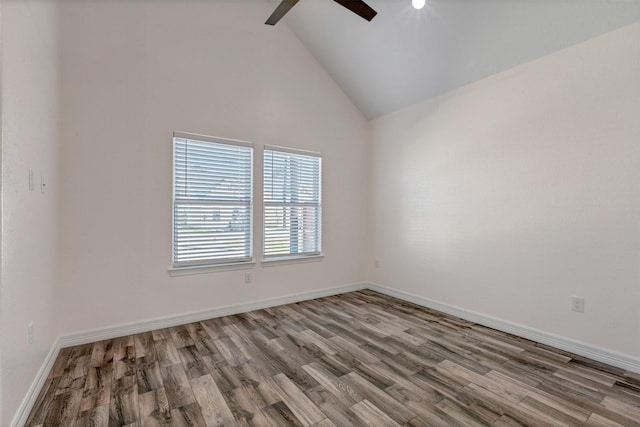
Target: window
{"x":292,"y":203}
{"x":212,"y":200}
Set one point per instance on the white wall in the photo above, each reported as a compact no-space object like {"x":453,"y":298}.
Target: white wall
{"x":510,"y":195}
{"x":134,"y":72}
{"x":29,"y":219}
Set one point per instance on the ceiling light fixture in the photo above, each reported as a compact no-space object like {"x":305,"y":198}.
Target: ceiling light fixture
{"x":418,"y":4}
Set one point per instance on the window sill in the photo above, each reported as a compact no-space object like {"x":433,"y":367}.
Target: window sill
{"x":291,"y":260}
{"x":202,"y":269}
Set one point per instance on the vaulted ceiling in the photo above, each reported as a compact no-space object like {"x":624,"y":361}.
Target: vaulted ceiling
{"x":404,"y":55}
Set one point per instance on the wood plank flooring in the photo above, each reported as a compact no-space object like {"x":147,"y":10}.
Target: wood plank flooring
{"x":357,"y":359}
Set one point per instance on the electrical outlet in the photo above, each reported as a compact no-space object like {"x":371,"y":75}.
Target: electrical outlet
{"x":30,"y":333}
{"x":577,"y":304}
{"x":248,"y":277}
{"x":377,"y":264}
{"x":42,"y":184}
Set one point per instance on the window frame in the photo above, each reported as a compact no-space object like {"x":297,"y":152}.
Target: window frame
{"x":213,"y":264}
{"x":290,"y":257}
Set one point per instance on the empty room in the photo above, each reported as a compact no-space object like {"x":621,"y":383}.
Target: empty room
{"x":320,"y":213}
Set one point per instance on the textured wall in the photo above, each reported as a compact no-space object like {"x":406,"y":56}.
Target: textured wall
{"x":30,"y":120}
{"x":211,"y":68}
{"x":510,"y":195}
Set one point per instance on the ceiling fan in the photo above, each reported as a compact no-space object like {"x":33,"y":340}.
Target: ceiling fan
{"x":358,"y":7}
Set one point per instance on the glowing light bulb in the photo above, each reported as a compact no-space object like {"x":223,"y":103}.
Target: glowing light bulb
{"x":418,"y":4}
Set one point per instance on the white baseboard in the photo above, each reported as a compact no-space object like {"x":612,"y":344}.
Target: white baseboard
{"x":84,"y":337}
{"x":89,"y":336}
{"x":599,"y":354}
{"x":20,"y":418}
{"x":93,"y":335}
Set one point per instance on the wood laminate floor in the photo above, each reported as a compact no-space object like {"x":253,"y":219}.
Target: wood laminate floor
{"x":357,"y":359}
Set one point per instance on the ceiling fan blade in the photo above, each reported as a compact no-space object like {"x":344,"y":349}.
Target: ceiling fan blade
{"x":358,"y":7}
{"x":280,"y":11}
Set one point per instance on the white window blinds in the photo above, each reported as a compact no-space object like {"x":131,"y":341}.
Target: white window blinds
{"x":212,"y":200}
{"x":292,"y":203}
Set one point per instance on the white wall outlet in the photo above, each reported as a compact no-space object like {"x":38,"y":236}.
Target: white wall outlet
{"x":42,"y":184}
{"x":30,"y":333}
{"x":30,"y":179}
{"x":577,"y":304}
{"x":377,"y":263}
{"x":248,"y":277}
